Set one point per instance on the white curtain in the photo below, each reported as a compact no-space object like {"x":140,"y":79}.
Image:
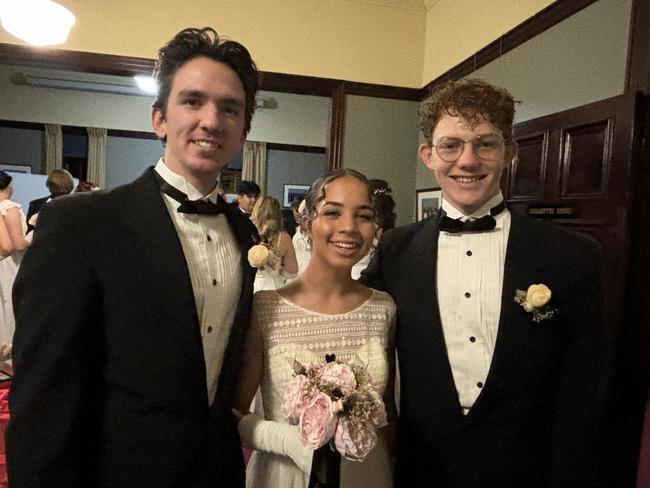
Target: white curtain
{"x":97,"y":156}
{"x":254,"y":164}
{"x":53,"y":147}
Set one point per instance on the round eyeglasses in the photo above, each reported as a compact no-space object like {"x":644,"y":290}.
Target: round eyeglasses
{"x":485,"y":147}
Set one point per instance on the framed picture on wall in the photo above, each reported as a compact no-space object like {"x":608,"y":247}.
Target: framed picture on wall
{"x":16,"y":168}
{"x":292,"y":192}
{"x":427,"y":201}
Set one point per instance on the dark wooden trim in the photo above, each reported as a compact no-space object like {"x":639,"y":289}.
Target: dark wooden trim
{"x":638,"y":60}
{"x":129,"y":66}
{"x":337,"y":129}
{"x":131,"y":134}
{"x":302,"y":85}
{"x":535,"y":25}
{"x":74,"y":60}
{"x":16,"y":124}
{"x":382,"y":91}
{"x":274,"y":146}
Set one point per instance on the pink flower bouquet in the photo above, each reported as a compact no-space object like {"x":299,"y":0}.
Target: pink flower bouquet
{"x":335,"y":402}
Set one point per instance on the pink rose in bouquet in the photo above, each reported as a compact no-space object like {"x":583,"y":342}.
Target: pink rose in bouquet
{"x":296,"y":398}
{"x":317,"y":422}
{"x":335,"y":402}
{"x":354,"y":440}
{"x":337,"y":375}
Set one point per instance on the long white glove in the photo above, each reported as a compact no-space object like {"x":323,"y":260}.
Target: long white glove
{"x":276,"y":438}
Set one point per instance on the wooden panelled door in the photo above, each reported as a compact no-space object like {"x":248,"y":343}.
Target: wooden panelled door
{"x":579,"y":168}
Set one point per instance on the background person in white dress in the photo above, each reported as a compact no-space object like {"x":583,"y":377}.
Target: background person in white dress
{"x":14,"y":220}
{"x":6,"y":248}
{"x":384,"y":205}
{"x":300,"y":238}
{"x":267,"y":217}
{"x":324,"y":311}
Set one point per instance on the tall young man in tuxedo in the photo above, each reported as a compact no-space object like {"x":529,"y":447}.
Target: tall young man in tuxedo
{"x":132,"y":304}
{"x":494,"y":392}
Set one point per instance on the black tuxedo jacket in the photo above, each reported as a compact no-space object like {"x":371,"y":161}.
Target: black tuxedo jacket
{"x":110,"y":385}
{"x":536,"y":421}
{"x":34,"y":208}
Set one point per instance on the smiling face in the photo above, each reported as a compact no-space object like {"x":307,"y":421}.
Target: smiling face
{"x":204,"y":121}
{"x":343,"y":228}
{"x":470,"y":181}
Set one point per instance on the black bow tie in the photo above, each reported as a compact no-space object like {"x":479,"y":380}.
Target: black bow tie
{"x":202,"y":207}
{"x":487,"y":222}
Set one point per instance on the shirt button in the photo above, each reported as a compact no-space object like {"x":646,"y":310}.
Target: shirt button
{"x":472,"y":339}
{"x":209,"y":329}
{"x":479,"y":384}
{"x":209,"y":238}
{"x":214,"y":282}
{"x":469,"y":253}
{"x":467,"y":294}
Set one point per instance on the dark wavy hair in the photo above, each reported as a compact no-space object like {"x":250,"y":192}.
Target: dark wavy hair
{"x":471,"y":99}
{"x":5,"y":179}
{"x":382,"y":201}
{"x":192,"y":43}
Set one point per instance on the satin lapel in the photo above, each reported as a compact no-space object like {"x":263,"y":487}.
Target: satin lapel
{"x":163,"y":259}
{"x":424,"y":287}
{"x":522,"y":267}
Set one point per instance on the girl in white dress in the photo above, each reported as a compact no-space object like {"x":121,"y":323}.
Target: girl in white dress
{"x":324,"y":311}
{"x":267,"y":217}
{"x":14,"y":220}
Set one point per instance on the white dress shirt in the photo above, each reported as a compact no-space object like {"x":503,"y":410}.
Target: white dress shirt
{"x":213,"y":258}
{"x":470,"y":282}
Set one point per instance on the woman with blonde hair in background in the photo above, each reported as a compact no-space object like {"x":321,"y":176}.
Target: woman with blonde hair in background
{"x":267,"y":217}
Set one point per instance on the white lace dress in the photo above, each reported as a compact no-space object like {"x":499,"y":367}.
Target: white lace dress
{"x":8,"y":270}
{"x":289,"y":332}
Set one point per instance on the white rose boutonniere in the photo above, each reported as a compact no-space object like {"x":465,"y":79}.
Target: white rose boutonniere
{"x":535,"y":300}
{"x":260,"y":255}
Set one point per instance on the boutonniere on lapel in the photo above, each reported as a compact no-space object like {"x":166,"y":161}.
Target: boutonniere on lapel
{"x":261,"y":255}
{"x":535,"y":300}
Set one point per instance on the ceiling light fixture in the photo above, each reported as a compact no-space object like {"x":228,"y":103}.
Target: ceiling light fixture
{"x":38,"y":22}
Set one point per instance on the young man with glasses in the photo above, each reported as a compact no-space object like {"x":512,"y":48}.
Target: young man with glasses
{"x":499,"y":380}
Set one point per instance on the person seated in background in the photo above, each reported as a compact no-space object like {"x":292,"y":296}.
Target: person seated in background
{"x":384,"y":205}
{"x":59,"y":182}
{"x":268,"y":219}
{"x":247,"y":194}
